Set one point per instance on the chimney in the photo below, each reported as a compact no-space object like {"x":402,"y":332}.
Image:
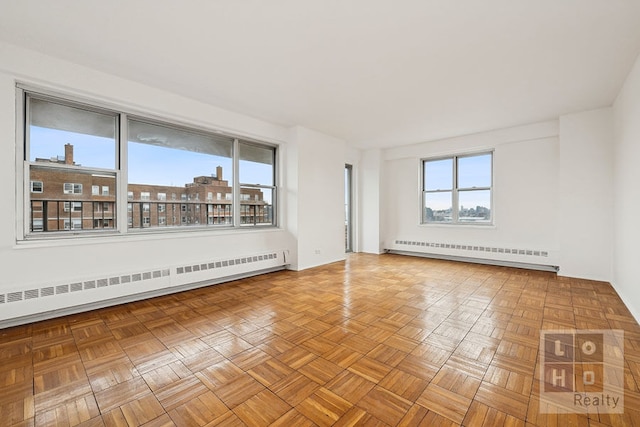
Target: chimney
{"x":219,"y":173}
{"x":68,"y":154}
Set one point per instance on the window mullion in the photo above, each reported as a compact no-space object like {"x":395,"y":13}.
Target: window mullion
{"x":235,"y":187}
{"x":454,"y":192}
{"x":122,"y":176}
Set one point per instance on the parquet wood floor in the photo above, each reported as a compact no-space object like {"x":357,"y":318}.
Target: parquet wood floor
{"x":376,"y":340}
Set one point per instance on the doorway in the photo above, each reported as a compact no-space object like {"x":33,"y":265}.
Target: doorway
{"x":348,"y":207}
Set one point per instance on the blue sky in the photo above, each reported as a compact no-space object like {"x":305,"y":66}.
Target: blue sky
{"x":473,"y":171}
{"x":148,"y":164}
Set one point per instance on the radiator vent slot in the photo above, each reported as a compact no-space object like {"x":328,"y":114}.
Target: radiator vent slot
{"x":473,"y":248}
{"x":14,"y":296}
{"x":31,"y":294}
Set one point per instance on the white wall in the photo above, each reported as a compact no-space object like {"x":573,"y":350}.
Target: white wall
{"x":370,"y":202}
{"x":34,"y":264}
{"x":626,"y":190}
{"x":525,"y":195}
{"x":315,"y":176}
{"x":586,"y":201}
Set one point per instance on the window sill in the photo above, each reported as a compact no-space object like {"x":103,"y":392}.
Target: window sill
{"x":459,"y":225}
{"x":80,"y":239}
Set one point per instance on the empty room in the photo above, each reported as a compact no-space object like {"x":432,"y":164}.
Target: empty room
{"x":319,"y":213}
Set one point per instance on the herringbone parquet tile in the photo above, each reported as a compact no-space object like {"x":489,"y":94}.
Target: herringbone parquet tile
{"x":377,"y":341}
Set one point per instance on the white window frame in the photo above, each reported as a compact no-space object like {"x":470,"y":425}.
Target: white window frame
{"x":71,"y":188}
{"x":35,"y":184}
{"x":455,"y":190}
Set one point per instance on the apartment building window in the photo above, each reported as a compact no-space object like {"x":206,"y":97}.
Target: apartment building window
{"x":457,"y":189}
{"x":73,"y":153}
{"x":73,"y":206}
{"x":72,"y":188}
{"x":37,"y":187}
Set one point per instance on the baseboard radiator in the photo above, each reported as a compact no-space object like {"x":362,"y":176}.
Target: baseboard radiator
{"x":36,"y":303}
{"x":532,"y":259}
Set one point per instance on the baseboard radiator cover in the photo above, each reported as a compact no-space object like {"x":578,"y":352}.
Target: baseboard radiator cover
{"x":34,"y":304}
{"x":531,"y":259}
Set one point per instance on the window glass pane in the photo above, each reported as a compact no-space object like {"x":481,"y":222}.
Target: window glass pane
{"x":475,"y":206}
{"x":438,"y":174}
{"x":62,"y":134}
{"x":63,"y":199}
{"x":256,"y":164}
{"x":256,"y":206}
{"x":166,"y":160}
{"x":438,"y":206}
{"x":474,"y":171}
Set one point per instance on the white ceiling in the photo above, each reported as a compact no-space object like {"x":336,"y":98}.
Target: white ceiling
{"x":375,"y":73}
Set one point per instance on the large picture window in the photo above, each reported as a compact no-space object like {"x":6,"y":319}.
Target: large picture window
{"x":457,"y":189}
{"x":77,"y":156}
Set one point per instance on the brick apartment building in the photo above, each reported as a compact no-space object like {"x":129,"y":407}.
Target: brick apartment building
{"x":64,"y":198}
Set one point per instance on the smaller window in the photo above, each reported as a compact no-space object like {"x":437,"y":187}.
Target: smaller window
{"x":95,"y":190}
{"x":72,"y":188}
{"x":37,"y":225}
{"x":105,"y":190}
{"x":37,"y":187}
{"x":162,"y":196}
{"x":130,"y":195}
{"x":457,"y":189}
{"x":145,"y":195}
{"x":74,"y":224}
{"x":228,"y":196}
{"x":72,"y":206}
